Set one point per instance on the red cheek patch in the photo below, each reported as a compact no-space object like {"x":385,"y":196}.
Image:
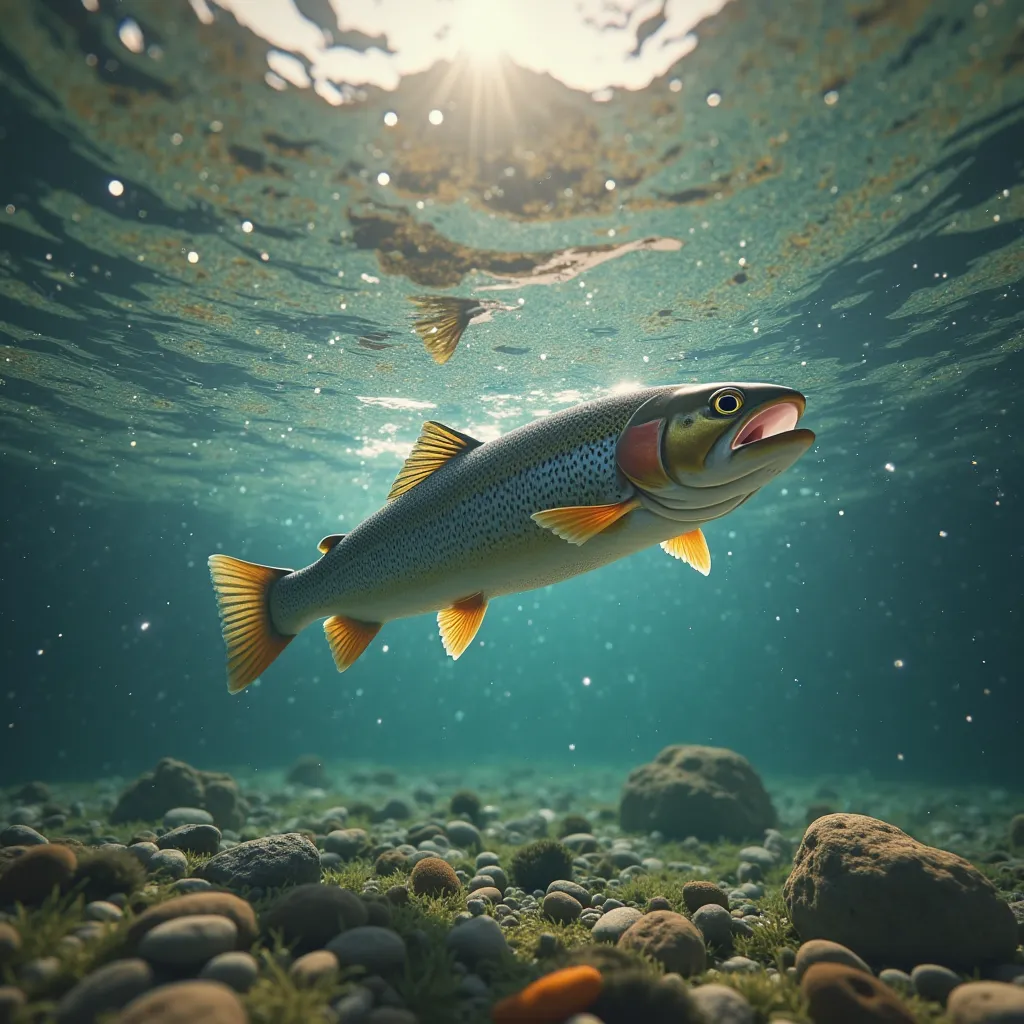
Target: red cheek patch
{"x":639,"y":454}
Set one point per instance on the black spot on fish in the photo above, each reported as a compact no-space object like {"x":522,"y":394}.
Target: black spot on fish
{"x":511,"y":350}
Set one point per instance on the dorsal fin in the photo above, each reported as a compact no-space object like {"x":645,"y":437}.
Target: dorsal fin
{"x":329,"y":542}
{"x":436,"y":445}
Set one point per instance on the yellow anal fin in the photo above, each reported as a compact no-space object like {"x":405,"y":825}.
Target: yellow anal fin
{"x":441,"y":323}
{"x":243,"y":592}
{"x":436,"y":445}
{"x":459,"y":624}
{"x":691,"y":548}
{"x":348,"y":638}
{"x":578,"y":523}
{"x":329,"y":542}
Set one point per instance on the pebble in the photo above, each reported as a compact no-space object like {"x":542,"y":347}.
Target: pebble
{"x":840,"y":994}
{"x":476,"y":907}
{"x":21,"y":835}
{"x":699,"y":893}
{"x":986,"y":1002}
{"x":309,"y":916}
{"x":610,"y":903}
{"x":934,"y":982}
{"x":758,"y":855}
{"x":898,"y":980}
{"x":820,"y":951}
{"x":143,"y":852}
{"x":178,"y":816}
{"x":353,"y":1008}
{"x":10,"y":942}
{"x":488,"y":893}
{"x":191,"y":839}
{"x":498,"y":876}
{"x":186,"y":1002}
{"x":31,"y":877}
{"x":477,"y":939}
{"x":41,"y":971}
{"x":270,"y":863}
{"x":573,"y":889}
{"x":613,"y":923}
{"x":391,"y":1015}
{"x":462,"y":833}
{"x":722,"y":1004}
{"x":347,"y":843}
{"x":105,"y":990}
{"x":658,"y":903}
{"x":223,"y":903}
{"x":715,"y":924}
{"x":749,"y":872}
{"x":12,"y":999}
{"x":313,"y":967}
{"x":168,"y":862}
{"x":671,"y":939}
{"x":187,"y":885}
{"x":559,"y":906}
{"x":236,"y":969}
{"x":486,"y":858}
{"x":581,"y":842}
{"x":101,"y":910}
{"x":739,"y":965}
{"x":377,"y":949}
{"x":187,"y":941}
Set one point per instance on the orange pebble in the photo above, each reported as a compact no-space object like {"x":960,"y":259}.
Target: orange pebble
{"x":552,"y":998}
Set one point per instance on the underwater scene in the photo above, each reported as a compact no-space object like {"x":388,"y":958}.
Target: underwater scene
{"x":511,"y":511}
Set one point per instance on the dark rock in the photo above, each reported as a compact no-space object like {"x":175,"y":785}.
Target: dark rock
{"x":236,"y":969}
{"x":893,"y":900}
{"x":1017,"y":832}
{"x":934,"y":982}
{"x":104,"y":990}
{"x":10,"y":942}
{"x":12,"y":999}
{"x":395,"y":809}
{"x":614,"y":923}
{"x":223,"y":903}
{"x":658,"y":903}
{"x":416,"y":834}
{"x":838,"y":994}
{"x":308,"y":771}
{"x":186,"y":1002}
{"x":377,"y":949}
{"x":390,"y":862}
{"x":669,"y":938}
{"x":30,"y":878}
{"x":176,"y":784}
{"x":708,"y":792}
{"x":33,"y":793}
{"x":722,"y":1004}
{"x":21,"y":835}
{"x":223,"y":800}
{"x":347,"y":843}
{"x":398,"y":895}
{"x":267,"y":863}
{"x":574,"y":889}
{"x":191,"y":839}
{"x":476,"y":940}
{"x":715,"y":924}
{"x":188,"y":941}
{"x":309,"y":916}
{"x":536,"y":865}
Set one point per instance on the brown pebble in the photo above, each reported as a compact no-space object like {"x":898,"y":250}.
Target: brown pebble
{"x":433,"y":876}
{"x":561,"y":907}
{"x":223,"y":903}
{"x":312,"y":967}
{"x":30,"y":878}
{"x":487,"y":892}
{"x":700,"y":893}
{"x":986,"y":1002}
{"x":186,"y":1002}
{"x":658,"y":903}
{"x":12,"y":999}
{"x":838,"y":994}
{"x":10,"y":942}
{"x":670,"y":938}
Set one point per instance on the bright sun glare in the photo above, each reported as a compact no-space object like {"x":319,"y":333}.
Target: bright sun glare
{"x":483,"y":28}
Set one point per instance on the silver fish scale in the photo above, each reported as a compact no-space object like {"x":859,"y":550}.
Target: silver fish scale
{"x":473,"y":511}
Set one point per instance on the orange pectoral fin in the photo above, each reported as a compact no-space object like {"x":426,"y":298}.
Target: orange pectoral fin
{"x":459,"y":624}
{"x":578,"y":523}
{"x":348,"y":638}
{"x":691,"y":548}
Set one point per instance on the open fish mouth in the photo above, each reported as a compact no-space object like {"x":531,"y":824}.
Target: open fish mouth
{"x":771,"y":421}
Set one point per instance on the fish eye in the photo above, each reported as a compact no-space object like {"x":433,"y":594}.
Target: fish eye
{"x":727,"y":402}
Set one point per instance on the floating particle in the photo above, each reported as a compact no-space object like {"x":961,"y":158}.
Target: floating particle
{"x":193,"y":256}
{"x":942,"y":533}
{"x":675,"y":85}
{"x":115,"y":187}
{"x":435,"y":117}
{"x":572,"y":746}
{"x":898,"y":663}
{"x":610,"y":185}
{"x":144,"y":626}
{"x":586,"y":680}
{"x":247,"y":226}
{"x":131,"y":35}
{"x":890,"y":468}
{"x":831,"y":98}
{"x":391,"y":119}
{"x":714,"y":98}
{"x":383,"y":178}
{"x":177,"y":139}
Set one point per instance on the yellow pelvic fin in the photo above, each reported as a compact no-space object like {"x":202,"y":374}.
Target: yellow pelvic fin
{"x":578,"y":523}
{"x":329,"y":541}
{"x":243,"y":592}
{"x":348,"y":638}
{"x":436,"y":445}
{"x":691,"y":548}
{"x":441,"y":322}
{"x":459,"y":624}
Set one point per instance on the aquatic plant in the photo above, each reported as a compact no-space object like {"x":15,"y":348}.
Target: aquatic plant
{"x":573,"y":823}
{"x":433,"y":876}
{"x":466,"y":804}
{"x":390,"y":862}
{"x":536,"y":865}
{"x":104,"y":871}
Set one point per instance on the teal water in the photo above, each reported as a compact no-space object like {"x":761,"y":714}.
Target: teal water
{"x":209,"y":235}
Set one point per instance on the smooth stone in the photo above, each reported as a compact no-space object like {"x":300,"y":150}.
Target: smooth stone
{"x":391,"y":1015}
{"x":187,"y":885}
{"x":739,"y":965}
{"x":722,"y":1004}
{"x":462,"y":833}
{"x":612,"y":924}
{"x":934,"y":982}
{"x":347,"y":843}
{"x":178,"y":816}
{"x":186,"y":941}
{"x":309,"y":916}
{"x":561,"y":907}
{"x":106,"y":989}
{"x":42,"y":971}
{"x":377,"y":949}
{"x":625,"y":858}
{"x":143,"y":852}
{"x":758,"y":855}
{"x":313,"y":967}
{"x":497,"y":875}
{"x":168,"y":862}
{"x":353,"y":1008}
{"x":839,"y":994}
{"x":12,"y":999}
{"x":488,"y":893}
{"x":580,"y":842}
{"x":574,"y":889}
{"x":267,"y":863}
{"x":10,"y":942}
{"x":822,"y":951}
{"x":898,"y":980}
{"x":201,"y":903}
{"x":477,"y":939}
{"x":486,"y":857}
{"x":186,"y":1002}
{"x":670,"y":938}
{"x":236,"y":969}
{"x":21,"y":835}
{"x":101,"y":910}
{"x":986,"y":1002}
{"x":191,"y":839}
{"x":715,"y":924}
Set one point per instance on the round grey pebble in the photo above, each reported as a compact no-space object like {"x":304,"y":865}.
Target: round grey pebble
{"x":485,"y":858}
{"x":722,"y":1004}
{"x":377,"y":949}
{"x":462,"y":833}
{"x":898,"y":980}
{"x":497,"y":875}
{"x":40,"y":971}
{"x":187,"y":816}
{"x":611,"y":903}
{"x":101,"y":910}
{"x":104,"y":990}
{"x":478,"y":939}
{"x":187,"y":885}
{"x":573,"y":889}
{"x":715,"y":924}
{"x":188,"y":941}
{"x":614,"y":922}
{"x":142,"y":852}
{"x":236,"y":969}
{"x":561,"y":907}
{"x":739,"y":965}
{"x":191,"y":839}
{"x":476,"y":907}
{"x":749,"y":872}
{"x":168,"y":862}
{"x":934,"y":982}
{"x":21,"y":835}
{"x":757,"y":855}
{"x":353,"y":1008}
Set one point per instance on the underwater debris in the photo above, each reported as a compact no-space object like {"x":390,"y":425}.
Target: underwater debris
{"x":551,"y":999}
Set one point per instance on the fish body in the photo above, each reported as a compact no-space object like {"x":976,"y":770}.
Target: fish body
{"x":467,"y":522}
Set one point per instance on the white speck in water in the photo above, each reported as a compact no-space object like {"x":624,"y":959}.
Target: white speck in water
{"x":586,"y":680}
{"x":714,"y":98}
{"x":385,"y":648}
{"x":193,"y":256}
{"x":460,"y":715}
{"x":435,"y":117}
{"x":131,"y":35}
{"x":572,"y":746}
{"x":898,"y":663}
{"x":383,"y":178}
{"x":831,"y":98}
{"x":144,"y":626}
{"x":610,"y":184}
{"x":890,"y":468}
{"x":675,"y":85}
{"x":942,"y":533}
{"x":391,"y":119}
{"x":115,"y":187}
{"x":247,"y":226}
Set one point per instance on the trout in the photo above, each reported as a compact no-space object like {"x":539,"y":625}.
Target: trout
{"x":467,"y":521}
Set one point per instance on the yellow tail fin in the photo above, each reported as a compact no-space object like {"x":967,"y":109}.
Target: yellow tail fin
{"x":243,"y":592}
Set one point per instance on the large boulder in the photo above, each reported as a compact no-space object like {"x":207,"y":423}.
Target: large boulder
{"x":894,"y":901}
{"x":177,"y":784}
{"x":708,"y":792}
